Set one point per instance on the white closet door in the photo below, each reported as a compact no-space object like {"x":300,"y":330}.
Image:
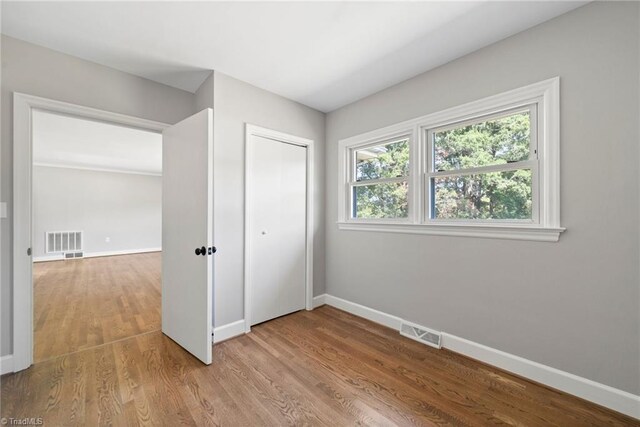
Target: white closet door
{"x":277,"y":228}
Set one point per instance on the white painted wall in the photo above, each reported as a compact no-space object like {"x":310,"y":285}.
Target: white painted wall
{"x":124,"y":207}
{"x":572,"y":305}
{"x":43,"y":72}
{"x":235,"y":104}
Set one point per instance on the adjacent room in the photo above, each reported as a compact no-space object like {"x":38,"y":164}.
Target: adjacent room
{"x":97,"y":230}
{"x":320,"y":213}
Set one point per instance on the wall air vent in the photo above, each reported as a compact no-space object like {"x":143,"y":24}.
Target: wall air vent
{"x":63,"y":241}
{"x":421,"y":334}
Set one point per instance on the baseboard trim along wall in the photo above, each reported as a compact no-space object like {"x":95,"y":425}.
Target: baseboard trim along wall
{"x":6,"y":364}
{"x":228,"y":331}
{"x":59,"y":257}
{"x":609,"y":397}
{"x":320,"y":300}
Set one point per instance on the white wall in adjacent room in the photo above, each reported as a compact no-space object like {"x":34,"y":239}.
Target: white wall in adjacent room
{"x":124,"y":208}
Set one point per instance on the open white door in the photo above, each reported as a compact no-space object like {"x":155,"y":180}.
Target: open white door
{"x":187,"y":233}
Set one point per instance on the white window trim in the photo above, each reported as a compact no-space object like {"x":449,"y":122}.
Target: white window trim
{"x":545,"y":227}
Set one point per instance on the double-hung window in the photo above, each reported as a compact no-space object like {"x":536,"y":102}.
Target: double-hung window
{"x":484,"y":169}
{"x":489,"y":168}
{"x":379,"y":180}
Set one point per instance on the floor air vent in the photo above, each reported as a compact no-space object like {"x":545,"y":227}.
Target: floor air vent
{"x":421,"y":334}
{"x":69,"y":255}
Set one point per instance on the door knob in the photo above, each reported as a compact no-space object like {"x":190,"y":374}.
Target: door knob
{"x":201,"y":251}
{"x":212,"y":250}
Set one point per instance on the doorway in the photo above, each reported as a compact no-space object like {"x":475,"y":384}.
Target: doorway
{"x":278,"y":224}
{"x":24,"y":108}
{"x":97,"y":232}
{"x":183,"y":284}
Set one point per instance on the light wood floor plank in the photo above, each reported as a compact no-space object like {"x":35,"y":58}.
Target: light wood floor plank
{"x":324,"y":367}
{"x":79,"y":304}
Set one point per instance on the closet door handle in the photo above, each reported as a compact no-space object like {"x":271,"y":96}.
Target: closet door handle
{"x":201,"y":251}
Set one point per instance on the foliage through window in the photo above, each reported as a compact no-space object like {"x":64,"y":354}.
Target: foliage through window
{"x":480,"y":170}
{"x":488,"y":168}
{"x":380,"y":182}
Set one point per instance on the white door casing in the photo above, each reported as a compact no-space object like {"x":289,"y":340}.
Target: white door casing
{"x":278,"y":263}
{"x":23,"y":106}
{"x":187,"y":226}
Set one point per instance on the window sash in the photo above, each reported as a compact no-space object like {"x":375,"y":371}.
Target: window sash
{"x":531,"y":164}
{"x":352,"y":182}
{"x":525,"y":164}
{"x":353,"y":161}
{"x":377,"y":181}
{"x":429,"y":195}
{"x":352,"y":202}
{"x":428,"y":134}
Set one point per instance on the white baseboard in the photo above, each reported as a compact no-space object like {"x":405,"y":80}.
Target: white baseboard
{"x":122,"y":252}
{"x":604,"y":395}
{"x":6,"y":364}
{"x":376,"y":316}
{"x":230,"y":330}
{"x":319,"y":300}
{"x":59,"y":257}
{"x":45,"y":258}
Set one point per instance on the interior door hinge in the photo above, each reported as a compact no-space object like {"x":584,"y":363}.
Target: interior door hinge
{"x":28,"y":251}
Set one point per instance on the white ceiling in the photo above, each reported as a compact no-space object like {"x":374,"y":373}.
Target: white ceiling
{"x":73,"y":142}
{"x":322,"y":54}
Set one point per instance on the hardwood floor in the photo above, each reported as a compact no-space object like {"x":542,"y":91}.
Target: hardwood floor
{"x":324,"y":367}
{"x":79,"y":304}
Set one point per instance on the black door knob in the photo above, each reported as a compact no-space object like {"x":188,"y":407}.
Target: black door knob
{"x":201,"y":251}
{"x":212,"y":250}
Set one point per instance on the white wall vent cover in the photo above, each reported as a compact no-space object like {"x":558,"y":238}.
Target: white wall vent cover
{"x":421,"y":334}
{"x":63,"y":241}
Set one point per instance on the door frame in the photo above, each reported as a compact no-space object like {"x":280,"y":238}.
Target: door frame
{"x":251,"y":132}
{"x":23,"y":107}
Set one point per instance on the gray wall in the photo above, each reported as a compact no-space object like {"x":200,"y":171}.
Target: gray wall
{"x":204,"y":94}
{"x":573,"y":305}
{"x":125,"y":207}
{"x":237,"y":103}
{"x":43,"y":72}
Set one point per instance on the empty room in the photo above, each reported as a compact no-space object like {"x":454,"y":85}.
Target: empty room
{"x":97,"y":203}
{"x":320,"y":213}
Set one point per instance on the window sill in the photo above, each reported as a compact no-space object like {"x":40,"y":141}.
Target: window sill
{"x":489,"y":231}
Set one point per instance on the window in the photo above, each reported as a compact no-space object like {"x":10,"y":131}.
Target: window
{"x":483,"y":169}
{"x":489,"y":168}
{"x":380,"y":180}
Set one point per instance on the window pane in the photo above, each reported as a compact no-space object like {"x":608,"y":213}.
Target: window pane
{"x":490,"y":142}
{"x":494,"y":195}
{"x":385,"y":200}
{"x":383,"y":161}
